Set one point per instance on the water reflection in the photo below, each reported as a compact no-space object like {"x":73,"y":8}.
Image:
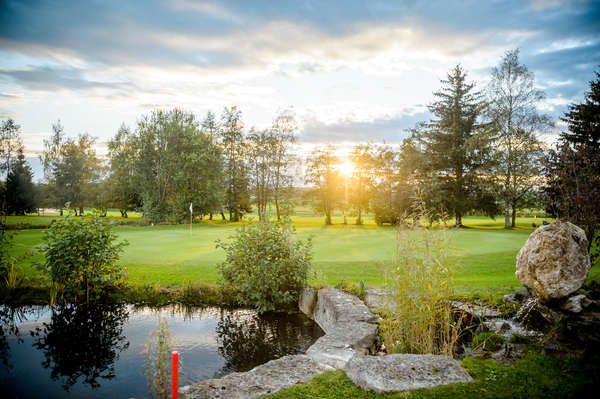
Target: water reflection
{"x":82,"y":341}
{"x":10,"y":318}
{"x":247,"y":340}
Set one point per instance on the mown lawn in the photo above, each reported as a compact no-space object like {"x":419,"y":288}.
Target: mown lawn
{"x":168,"y":255}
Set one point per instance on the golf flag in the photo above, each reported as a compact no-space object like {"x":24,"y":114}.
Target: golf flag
{"x":191,"y":211}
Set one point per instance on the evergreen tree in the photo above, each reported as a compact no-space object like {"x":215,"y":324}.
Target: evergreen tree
{"x":456,"y":147}
{"x":583,"y":120}
{"x":20,"y":190}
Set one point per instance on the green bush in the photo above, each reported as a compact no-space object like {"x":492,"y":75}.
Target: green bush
{"x":266,"y":265}
{"x":81,"y":256}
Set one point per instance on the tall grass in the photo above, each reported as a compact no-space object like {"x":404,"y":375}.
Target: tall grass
{"x":421,"y":282}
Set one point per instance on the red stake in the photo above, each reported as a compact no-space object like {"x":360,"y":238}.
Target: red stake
{"x":174,"y":383}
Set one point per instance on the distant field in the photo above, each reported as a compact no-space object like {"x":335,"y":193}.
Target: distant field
{"x":168,"y":255}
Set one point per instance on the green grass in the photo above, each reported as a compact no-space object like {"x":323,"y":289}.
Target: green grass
{"x":534,"y":376}
{"x":167,"y":255}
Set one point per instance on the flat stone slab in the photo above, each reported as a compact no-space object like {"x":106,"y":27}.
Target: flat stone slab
{"x":265,"y":379}
{"x":402,"y":372}
{"x":334,"y":306}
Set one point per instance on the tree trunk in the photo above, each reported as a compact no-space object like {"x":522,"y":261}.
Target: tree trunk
{"x":514,"y":215}
{"x":80,"y":211}
{"x":359,"y":217}
{"x":506,"y":213}
{"x":328,"y":217}
{"x":223,"y":215}
{"x":458,"y":222}
{"x":61,"y":211}
{"x":277,"y":209}
{"x":210,"y":216}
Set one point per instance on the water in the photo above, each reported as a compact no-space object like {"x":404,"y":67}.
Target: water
{"x":98,"y":352}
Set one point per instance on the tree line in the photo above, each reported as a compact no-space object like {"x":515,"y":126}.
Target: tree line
{"x":480,"y":153}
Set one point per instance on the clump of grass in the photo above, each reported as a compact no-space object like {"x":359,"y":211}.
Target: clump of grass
{"x":421,"y":281}
{"x":520,"y":339}
{"x":157,"y":360}
{"x":487,"y":341}
{"x":359,"y":289}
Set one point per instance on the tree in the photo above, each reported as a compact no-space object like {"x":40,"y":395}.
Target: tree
{"x":261,"y":168}
{"x":283,"y":135}
{"x":50,"y":158}
{"x":325,"y":179}
{"x":512,"y":108}
{"x":456,"y":147}
{"x":10,"y":144}
{"x":121,"y":179}
{"x":20,"y":190}
{"x":583,"y":120}
{"x":572,"y":169}
{"x":362,"y":179}
{"x":237,"y":199}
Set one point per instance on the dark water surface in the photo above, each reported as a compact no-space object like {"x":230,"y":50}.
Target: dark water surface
{"x":98,"y":352}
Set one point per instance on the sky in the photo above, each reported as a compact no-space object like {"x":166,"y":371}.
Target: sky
{"x":351,"y":70}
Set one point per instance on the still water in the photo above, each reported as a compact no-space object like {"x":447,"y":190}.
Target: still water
{"x":98,"y":352}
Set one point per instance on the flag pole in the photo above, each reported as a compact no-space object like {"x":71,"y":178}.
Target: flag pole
{"x":191,"y":212}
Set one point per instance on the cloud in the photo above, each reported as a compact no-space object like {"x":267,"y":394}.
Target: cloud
{"x":391,"y":129}
{"x":50,"y":79}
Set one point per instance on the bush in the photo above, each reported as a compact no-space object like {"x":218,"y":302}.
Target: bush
{"x":265,"y":265}
{"x":81,"y":256}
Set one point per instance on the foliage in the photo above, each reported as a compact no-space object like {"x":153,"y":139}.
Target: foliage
{"x":157,"y":364}
{"x":421,"y":282}
{"x":235,"y":173}
{"x":513,"y":100}
{"x":20,"y":190}
{"x":81,"y":255}
{"x":266,"y":265}
{"x":456,"y":148}
{"x":121,"y":180}
{"x":488,"y":341}
{"x":572,"y":169}
{"x":362,"y":180}
{"x":10,"y":144}
{"x":72,"y":168}
{"x":322,"y":175}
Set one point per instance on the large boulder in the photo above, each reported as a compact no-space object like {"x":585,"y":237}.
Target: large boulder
{"x":554,"y":261}
{"x":402,"y":372}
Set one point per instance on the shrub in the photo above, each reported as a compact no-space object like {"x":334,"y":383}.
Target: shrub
{"x":265,"y":265}
{"x":420,"y":281}
{"x":81,"y":256}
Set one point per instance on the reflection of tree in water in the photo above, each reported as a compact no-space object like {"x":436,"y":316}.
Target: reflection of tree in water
{"x":10,"y":317}
{"x":83,"y":341}
{"x":248,"y":340}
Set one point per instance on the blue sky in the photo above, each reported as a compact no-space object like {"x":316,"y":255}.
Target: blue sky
{"x":351,"y":70}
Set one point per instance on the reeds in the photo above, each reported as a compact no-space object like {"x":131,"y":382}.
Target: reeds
{"x":157,"y":355}
{"x":421,"y":282}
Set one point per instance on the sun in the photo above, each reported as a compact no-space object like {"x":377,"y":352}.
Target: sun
{"x":346,"y":168}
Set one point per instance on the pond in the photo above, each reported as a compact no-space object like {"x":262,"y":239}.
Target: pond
{"x":98,"y":352}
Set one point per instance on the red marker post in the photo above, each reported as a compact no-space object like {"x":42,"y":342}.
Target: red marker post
{"x":174,"y":382}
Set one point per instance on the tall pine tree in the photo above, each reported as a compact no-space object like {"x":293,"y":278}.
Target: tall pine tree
{"x":456,"y":147}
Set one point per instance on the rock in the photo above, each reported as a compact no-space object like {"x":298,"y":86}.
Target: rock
{"x":350,"y":328}
{"x":401,"y":372}
{"x":517,"y":297}
{"x":263,"y":380}
{"x":554,"y":261}
{"x":477,"y":311}
{"x":307,"y":300}
{"x":575,"y":303}
{"x":334,"y":306}
{"x":535,"y":315}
